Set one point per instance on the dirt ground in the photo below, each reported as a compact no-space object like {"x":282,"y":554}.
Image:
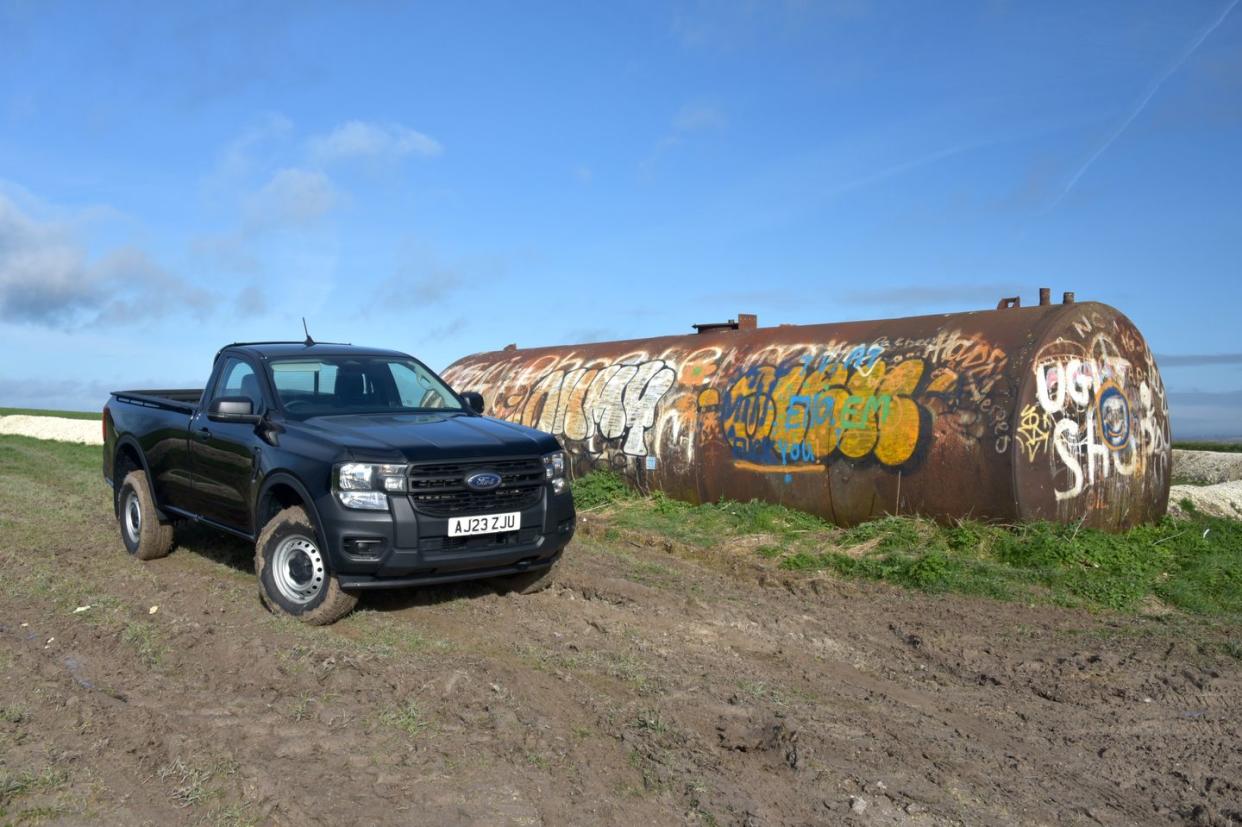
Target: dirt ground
{"x":648,"y":686}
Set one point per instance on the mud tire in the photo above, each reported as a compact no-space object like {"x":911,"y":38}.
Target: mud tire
{"x":330,"y":603}
{"x":145,"y":536}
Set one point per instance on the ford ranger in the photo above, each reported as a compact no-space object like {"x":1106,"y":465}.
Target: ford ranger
{"x":349,"y":468}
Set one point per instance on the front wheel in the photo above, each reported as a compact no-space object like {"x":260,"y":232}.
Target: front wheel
{"x":294,"y":576}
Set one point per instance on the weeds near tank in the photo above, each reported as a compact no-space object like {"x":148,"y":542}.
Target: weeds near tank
{"x":1194,"y":566}
{"x":600,"y":488}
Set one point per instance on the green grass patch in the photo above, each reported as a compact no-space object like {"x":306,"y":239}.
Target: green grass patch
{"x":96,"y":415}
{"x":49,"y":459}
{"x":1194,"y":566}
{"x":16,"y":785}
{"x":705,"y":526}
{"x":600,"y":488}
{"x":144,"y":638}
{"x":1227,"y":447}
{"x":403,"y":718}
{"x":191,"y":784}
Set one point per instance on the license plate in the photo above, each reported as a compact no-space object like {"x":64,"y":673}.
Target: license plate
{"x":487,"y":524}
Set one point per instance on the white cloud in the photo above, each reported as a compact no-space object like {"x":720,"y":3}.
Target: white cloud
{"x":291,"y":196}
{"x":363,"y":139}
{"x":424,"y":277}
{"x":237,"y":162}
{"x":47,"y":278}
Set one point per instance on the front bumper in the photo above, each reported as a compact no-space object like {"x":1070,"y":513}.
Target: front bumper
{"x":407,"y":547}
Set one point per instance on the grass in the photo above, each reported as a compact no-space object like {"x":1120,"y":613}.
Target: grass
{"x":402,"y":718}
{"x":599,"y":488}
{"x":14,"y":786}
{"x":1228,"y":447}
{"x":1194,"y":565}
{"x":189,"y":783}
{"x":144,"y":638}
{"x":41,"y":412}
{"x":385,"y":637}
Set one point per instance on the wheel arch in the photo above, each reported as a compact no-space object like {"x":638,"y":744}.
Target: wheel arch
{"x":281,"y":490}
{"x":127,"y":457}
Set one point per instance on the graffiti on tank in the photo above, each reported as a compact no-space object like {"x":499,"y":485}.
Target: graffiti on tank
{"x":1033,"y":432}
{"x":839,"y":402}
{"x":1114,"y":417}
{"x":610,"y":406}
{"x":1103,"y":413}
{"x":966,"y":390}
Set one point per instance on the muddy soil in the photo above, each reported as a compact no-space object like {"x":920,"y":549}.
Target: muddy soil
{"x":649,"y":685}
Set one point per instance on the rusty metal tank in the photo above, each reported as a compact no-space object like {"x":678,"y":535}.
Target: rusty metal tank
{"x":1048,"y":412}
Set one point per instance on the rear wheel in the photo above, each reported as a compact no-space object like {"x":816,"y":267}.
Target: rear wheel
{"x":295,"y":578}
{"x":144,"y":535}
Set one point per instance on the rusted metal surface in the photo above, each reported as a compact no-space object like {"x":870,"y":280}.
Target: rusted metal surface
{"x":1052,"y":412}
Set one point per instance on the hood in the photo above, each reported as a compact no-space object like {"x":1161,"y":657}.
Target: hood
{"x":426,"y":437}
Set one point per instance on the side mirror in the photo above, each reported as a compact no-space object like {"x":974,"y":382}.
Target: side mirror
{"x":232,"y":409}
{"x":473,"y":400}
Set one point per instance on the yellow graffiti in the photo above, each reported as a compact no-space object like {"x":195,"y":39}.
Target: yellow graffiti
{"x":1034,"y":431}
{"x":779,"y":418}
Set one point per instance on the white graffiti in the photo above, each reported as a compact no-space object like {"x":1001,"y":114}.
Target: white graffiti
{"x":596,"y":403}
{"x":1103,"y":424}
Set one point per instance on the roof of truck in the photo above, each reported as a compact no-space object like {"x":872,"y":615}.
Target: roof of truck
{"x":280,"y":350}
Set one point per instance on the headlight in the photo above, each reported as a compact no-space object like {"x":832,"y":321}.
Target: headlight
{"x":554,"y":465}
{"x":366,"y":485}
{"x":355,"y":476}
{"x":368,"y":500}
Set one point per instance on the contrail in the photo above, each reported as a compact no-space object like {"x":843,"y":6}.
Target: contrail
{"x":1142,"y":104}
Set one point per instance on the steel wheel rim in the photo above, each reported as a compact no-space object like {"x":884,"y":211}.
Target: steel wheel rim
{"x":298,"y":570}
{"x":132,"y":513}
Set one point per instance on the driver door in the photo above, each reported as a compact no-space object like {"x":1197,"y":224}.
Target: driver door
{"x":225,"y":454}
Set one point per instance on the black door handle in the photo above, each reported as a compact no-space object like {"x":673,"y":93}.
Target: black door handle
{"x":204,"y":433}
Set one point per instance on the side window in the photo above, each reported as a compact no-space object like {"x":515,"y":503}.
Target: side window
{"x":238,"y":379}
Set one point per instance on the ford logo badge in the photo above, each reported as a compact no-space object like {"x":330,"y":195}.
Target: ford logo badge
{"x":483,"y":481}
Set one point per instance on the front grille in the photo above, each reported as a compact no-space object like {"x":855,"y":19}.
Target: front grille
{"x":440,"y":489}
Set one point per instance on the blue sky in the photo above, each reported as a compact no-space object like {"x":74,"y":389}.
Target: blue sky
{"x":449,"y":178}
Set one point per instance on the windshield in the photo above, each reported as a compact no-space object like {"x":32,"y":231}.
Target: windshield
{"x":330,"y":385}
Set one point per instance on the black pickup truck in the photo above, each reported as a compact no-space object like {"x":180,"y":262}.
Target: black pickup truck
{"x":349,"y":468}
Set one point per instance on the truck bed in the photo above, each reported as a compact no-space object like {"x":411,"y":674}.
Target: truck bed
{"x":183,"y":400}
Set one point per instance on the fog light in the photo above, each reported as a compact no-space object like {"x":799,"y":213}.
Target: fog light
{"x":368,"y":547}
{"x":558,"y":485}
